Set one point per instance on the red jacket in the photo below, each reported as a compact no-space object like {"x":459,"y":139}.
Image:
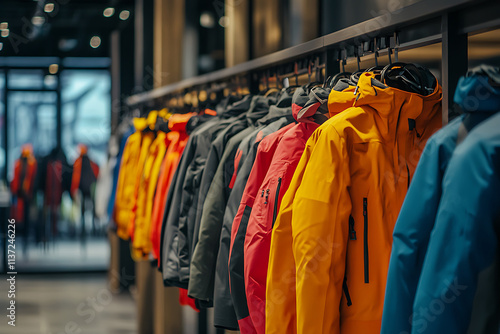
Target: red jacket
{"x":309,"y":111}
{"x":265,"y":152}
{"x":178,"y":139}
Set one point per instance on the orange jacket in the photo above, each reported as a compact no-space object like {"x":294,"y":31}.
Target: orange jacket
{"x":85,"y":173}
{"x":134,"y":157}
{"x":23,"y":182}
{"x":332,"y":239}
{"x":177,"y":138}
{"x":24,"y":174}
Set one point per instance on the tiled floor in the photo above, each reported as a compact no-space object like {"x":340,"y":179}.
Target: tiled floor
{"x":60,"y":304}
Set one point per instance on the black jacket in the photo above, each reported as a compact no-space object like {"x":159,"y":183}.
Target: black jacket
{"x":214,"y":193}
{"x":278,"y":117}
{"x":180,"y":221}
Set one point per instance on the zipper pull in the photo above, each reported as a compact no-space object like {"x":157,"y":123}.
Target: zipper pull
{"x":352,"y":231}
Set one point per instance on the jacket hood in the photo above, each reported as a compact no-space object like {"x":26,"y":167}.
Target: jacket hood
{"x":312,"y":107}
{"x":238,"y":107}
{"x":341,"y":97}
{"x":479,"y":90}
{"x":196,"y":120}
{"x":140,"y":123}
{"x":178,"y":122}
{"x":27,"y":150}
{"x":275,"y":111}
{"x":285,"y":97}
{"x":387,"y":101}
{"x":259,"y":107}
{"x":221,"y":107}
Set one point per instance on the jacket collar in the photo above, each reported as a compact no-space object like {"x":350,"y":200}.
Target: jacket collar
{"x":479,"y":90}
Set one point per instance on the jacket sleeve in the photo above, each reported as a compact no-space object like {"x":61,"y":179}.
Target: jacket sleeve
{"x":158,"y":202}
{"x":202,"y":270}
{"x":464,"y":242}
{"x":281,"y":280}
{"x":170,"y":230}
{"x":320,"y":231}
{"x":224,"y":310}
{"x":14,"y":184}
{"x":120,"y":217}
{"x":207,"y":177}
{"x":411,"y":237}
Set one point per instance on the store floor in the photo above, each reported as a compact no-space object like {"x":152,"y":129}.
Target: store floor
{"x":69,"y":303}
{"x":64,"y":255}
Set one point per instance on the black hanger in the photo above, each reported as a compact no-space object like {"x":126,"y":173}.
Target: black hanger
{"x":162,"y":125}
{"x":355,"y":76}
{"x":333,"y":81}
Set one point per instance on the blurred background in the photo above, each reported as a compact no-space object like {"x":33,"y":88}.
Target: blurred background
{"x":66,"y":68}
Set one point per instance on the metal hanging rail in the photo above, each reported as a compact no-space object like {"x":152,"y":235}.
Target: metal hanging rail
{"x":356,"y":35}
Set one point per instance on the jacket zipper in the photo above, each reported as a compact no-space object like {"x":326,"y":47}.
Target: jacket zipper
{"x":408,"y":171}
{"x":352,"y":231}
{"x":346,"y":292}
{"x":275,"y":213}
{"x":365,"y":238}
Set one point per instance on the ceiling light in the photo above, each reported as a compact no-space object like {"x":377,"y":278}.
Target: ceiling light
{"x":223,"y":21}
{"x":53,"y":68}
{"x":124,"y":14}
{"x":49,"y":7}
{"x":5,"y":33}
{"x":108,"y":12}
{"x":95,"y":42}
{"x":207,"y":20}
{"x":4,"y":25}
{"x":38,"y":20}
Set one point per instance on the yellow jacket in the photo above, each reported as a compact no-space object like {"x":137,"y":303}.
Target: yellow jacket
{"x":134,"y":156}
{"x":332,"y":238}
{"x":141,"y":244}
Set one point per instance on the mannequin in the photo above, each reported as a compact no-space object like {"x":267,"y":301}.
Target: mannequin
{"x":84,"y":177}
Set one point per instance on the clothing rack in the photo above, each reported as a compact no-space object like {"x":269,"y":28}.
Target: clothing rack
{"x":423,"y":23}
{"x":381,"y":38}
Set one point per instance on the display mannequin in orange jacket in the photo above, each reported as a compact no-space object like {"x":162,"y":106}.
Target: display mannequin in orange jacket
{"x":23,"y":183}
{"x":84,"y":177}
{"x":85,"y":173}
{"x":340,"y":210}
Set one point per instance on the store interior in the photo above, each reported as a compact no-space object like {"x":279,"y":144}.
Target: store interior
{"x":75,"y":76}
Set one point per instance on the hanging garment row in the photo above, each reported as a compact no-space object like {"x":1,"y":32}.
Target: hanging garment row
{"x":279,"y":209}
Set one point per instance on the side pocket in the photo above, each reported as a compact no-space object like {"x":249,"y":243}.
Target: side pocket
{"x":275,"y":212}
{"x":365,"y":238}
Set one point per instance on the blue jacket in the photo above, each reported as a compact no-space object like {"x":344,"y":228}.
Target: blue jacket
{"x":116,"y":170}
{"x":459,"y":288}
{"x":479,"y":100}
